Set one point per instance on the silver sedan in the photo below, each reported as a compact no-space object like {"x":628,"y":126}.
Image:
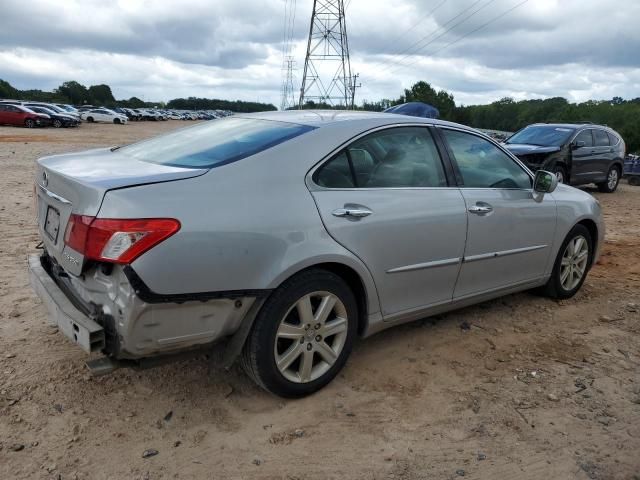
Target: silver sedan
{"x":287,"y":235}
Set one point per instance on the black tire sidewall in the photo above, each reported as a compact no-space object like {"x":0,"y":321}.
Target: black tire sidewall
{"x":560,"y":291}
{"x":561,"y":169}
{"x":29,"y":123}
{"x":604,"y":186}
{"x":260,"y":344}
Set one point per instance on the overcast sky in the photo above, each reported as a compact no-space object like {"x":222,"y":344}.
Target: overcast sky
{"x":232,"y":49}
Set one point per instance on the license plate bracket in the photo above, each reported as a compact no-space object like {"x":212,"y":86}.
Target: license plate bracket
{"x":52,"y":223}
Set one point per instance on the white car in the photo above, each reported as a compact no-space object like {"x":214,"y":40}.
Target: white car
{"x":103,"y":115}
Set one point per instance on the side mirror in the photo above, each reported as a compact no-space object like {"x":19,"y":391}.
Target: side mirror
{"x":578,"y":145}
{"x":544,"y":182}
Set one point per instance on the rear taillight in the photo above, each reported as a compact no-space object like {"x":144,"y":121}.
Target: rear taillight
{"x":115,"y":240}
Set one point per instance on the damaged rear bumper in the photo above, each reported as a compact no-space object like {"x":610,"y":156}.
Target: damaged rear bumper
{"x":72,"y":322}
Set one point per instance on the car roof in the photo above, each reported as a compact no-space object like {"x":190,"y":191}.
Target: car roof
{"x":572,"y":125}
{"x":320,"y":118}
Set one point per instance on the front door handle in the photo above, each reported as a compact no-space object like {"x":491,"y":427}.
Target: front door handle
{"x":355,"y":212}
{"x":480,"y":208}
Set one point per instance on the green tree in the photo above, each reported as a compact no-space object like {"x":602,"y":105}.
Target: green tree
{"x":74,"y":91}
{"x":425,"y":93}
{"x":101,"y":95}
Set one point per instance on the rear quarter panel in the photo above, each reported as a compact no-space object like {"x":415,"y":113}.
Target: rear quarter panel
{"x":247,"y":225}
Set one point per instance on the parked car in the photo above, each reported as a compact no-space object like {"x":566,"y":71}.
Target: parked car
{"x":52,"y":107}
{"x":576,"y":153}
{"x":103,"y":115}
{"x":68,"y":108}
{"x":57,"y":119}
{"x":11,"y":114}
{"x":132,"y":114}
{"x":289,"y":234}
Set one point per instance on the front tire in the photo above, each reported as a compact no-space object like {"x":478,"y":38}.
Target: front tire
{"x":572,"y":264}
{"x":303,"y":334}
{"x":611,"y":183}
{"x":116,"y":121}
{"x":90,"y":119}
{"x":561,"y":173}
{"x":57,"y":123}
{"x":29,"y":123}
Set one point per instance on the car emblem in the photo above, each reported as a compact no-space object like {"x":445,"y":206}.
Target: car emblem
{"x":45,"y":179}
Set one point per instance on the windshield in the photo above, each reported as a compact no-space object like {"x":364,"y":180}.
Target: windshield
{"x":214,"y":143}
{"x":542,"y":135}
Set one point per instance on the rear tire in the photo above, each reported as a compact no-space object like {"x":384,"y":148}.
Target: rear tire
{"x":611,"y":183}
{"x":29,"y":123}
{"x":294,"y":350}
{"x":572,"y":264}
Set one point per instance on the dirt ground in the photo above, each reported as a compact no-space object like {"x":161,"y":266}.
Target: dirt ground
{"x":521,"y":387}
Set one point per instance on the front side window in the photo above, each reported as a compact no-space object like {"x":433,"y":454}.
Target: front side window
{"x":395,"y":158}
{"x":214,"y":143}
{"x":601,"y":138}
{"x":586,"y":137}
{"x":482,"y":164}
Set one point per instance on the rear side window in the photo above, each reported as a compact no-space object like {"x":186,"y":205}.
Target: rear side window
{"x":613,"y":139}
{"x":482,"y":164}
{"x":601,"y":138}
{"x":394,"y":158}
{"x":586,"y":137}
{"x":215,"y":143}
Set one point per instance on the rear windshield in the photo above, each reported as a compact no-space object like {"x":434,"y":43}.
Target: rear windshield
{"x":542,"y":136}
{"x":214,"y":143}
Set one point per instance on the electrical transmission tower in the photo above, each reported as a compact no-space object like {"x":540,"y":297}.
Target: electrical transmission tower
{"x":327,"y":58}
{"x":288,"y":98}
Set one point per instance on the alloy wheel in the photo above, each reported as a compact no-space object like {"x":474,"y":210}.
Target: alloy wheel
{"x":574,"y":262}
{"x":612,"y":179}
{"x":311,"y":337}
{"x":560,"y":176}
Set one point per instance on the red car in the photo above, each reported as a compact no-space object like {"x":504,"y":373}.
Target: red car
{"x":22,"y":116}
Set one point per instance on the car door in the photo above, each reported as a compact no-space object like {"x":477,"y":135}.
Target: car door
{"x":605,"y":153}
{"x":510,"y":233}
{"x":101,"y":115}
{"x":14,"y":115}
{"x":386,"y":198}
{"x":584,"y":158}
{"x":5,"y":117}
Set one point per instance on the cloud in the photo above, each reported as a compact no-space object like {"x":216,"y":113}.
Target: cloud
{"x":232,"y":49}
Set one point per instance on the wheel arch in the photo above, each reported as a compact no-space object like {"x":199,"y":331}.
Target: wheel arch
{"x":592,"y":227}
{"x":355,"y":282}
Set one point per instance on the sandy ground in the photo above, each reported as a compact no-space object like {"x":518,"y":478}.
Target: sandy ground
{"x":520,"y":387}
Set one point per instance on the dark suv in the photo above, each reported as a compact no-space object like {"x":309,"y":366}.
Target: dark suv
{"x":577,"y":153}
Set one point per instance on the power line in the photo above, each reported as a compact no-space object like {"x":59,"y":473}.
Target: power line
{"x":424,"y":45}
{"x":506,"y":12}
{"x":406,"y":32}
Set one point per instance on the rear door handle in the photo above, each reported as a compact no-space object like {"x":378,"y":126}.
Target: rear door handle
{"x":480,"y":208}
{"x":355,"y":212}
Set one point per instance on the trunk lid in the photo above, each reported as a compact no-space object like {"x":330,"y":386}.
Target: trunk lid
{"x":77,"y":182}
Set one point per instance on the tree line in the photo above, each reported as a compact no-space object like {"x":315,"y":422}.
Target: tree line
{"x":510,"y":115}
{"x":75,"y":93}
{"x":504,"y":114}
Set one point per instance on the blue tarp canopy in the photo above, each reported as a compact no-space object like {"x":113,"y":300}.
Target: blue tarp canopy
{"x":414,"y":109}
